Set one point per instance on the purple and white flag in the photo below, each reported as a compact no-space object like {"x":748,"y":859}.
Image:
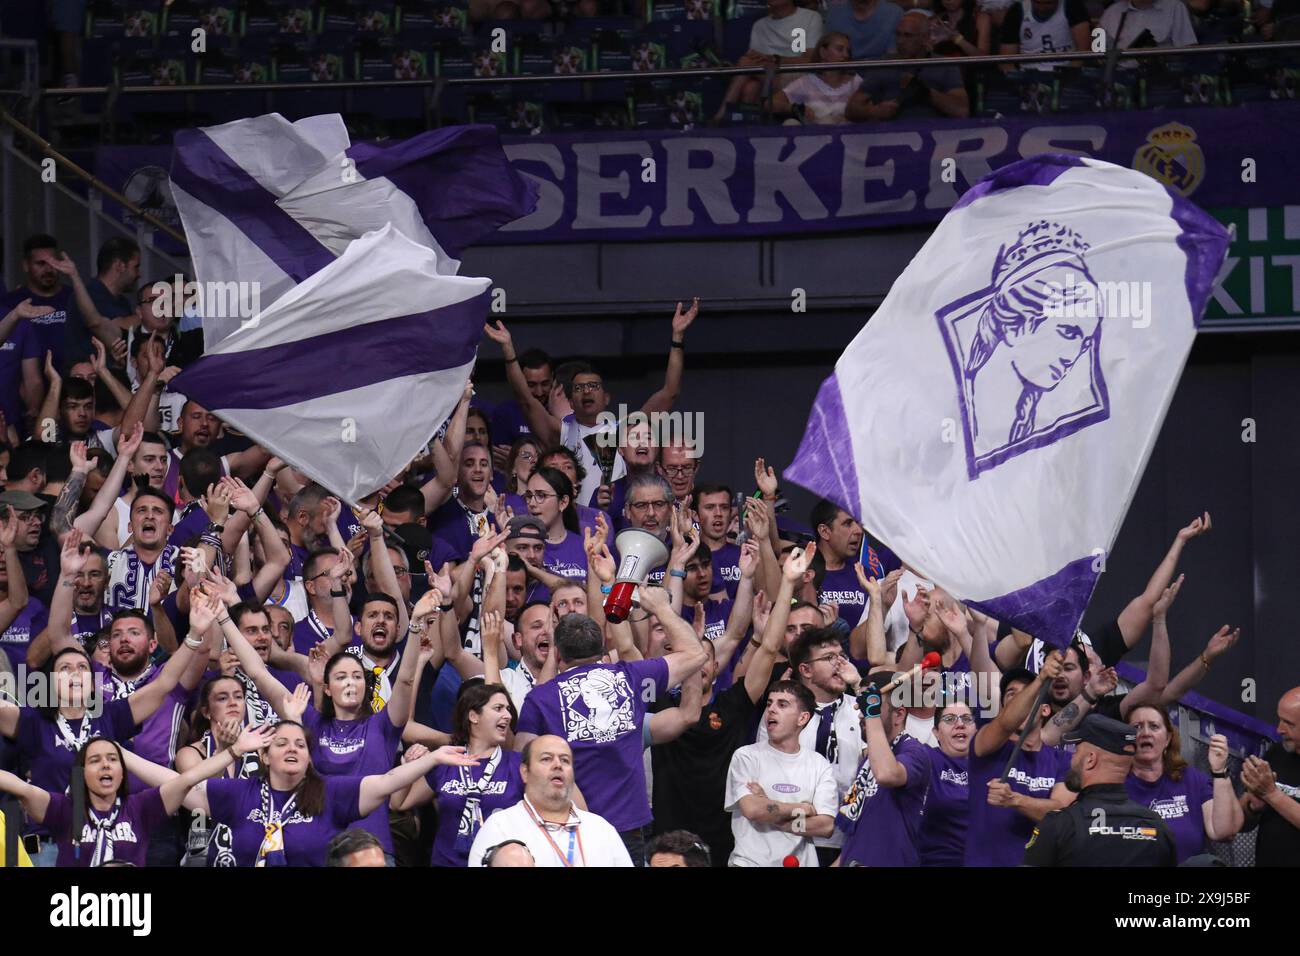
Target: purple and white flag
{"x":348,"y":375}
{"x":271,"y":202}
{"x":991,"y":422}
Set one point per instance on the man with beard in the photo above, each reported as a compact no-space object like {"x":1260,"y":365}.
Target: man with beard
{"x":77,"y":611}
{"x":379,"y":628}
{"x":198,"y":429}
{"x":1103,"y":827}
{"x":43,"y":264}
{"x":589,"y":398}
{"x":461,"y":520}
{"x":255,"y":625}
{"x":38,"y":552}
{"x":713,"y":505}
{"x":678,"y":466}
{"x":305,"y":518}
{"x":649,"y":506}
{"x":131,"y":570}
{"x":1272,"y":797}
{"x":546,"y":820}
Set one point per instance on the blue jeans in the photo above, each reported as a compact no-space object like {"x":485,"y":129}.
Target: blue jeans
{"x":48,"y":856}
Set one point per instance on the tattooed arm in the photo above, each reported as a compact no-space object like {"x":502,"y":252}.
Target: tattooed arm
{"x":1067,"y":718}
{"x":65,"y":508}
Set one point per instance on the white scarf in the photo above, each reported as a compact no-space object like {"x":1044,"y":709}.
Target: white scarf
{"x":471,"y":818}
{"x":102,"y":828}
{"x":66,"y":737}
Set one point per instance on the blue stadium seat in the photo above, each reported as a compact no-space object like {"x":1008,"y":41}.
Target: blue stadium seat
{"x":696,"y":11}
{"x":735,"y":38}
{"x":433,"y":18}
{"x":219,"y":23}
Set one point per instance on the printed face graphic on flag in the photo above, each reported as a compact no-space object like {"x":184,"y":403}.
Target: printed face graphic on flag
{"x":1026,"y":349}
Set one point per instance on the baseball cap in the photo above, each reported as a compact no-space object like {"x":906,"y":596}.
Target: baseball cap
{"x":1107,"y":733}
{"x":416,"y":541}
{"x":526,"y":526}
{"x":22,"y":501}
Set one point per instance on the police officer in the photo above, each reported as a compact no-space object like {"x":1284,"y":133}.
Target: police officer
{"x":1103,"y":827}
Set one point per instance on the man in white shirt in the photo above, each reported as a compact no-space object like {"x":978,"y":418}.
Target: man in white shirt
{"x":532,"y":638}
{"x":780,"y":794}
{"x":788,"y":34}
{"x":546,"y":820}
{"x":818,"y":663}
{"x":1164,"y":23}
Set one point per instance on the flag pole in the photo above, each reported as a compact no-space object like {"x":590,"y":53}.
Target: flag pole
{"x":1024,"y":730}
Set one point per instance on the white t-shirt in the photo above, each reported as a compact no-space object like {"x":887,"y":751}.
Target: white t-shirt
{"x":1168,"y":20}
{"x":848,"y":752}
{"x":921,"y":728}
{"x":773,"y":37}
{"x":823,"y":104}
{"x":800,"y":777}
{"x":571,"y":436}
{"x":600,"y":843}
{"x":515,"y":680}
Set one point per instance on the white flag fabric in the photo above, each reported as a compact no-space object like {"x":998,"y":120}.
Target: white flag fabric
{"x":346,"y":377}
{"x":991,"y":421}
{"x":270,"y":202}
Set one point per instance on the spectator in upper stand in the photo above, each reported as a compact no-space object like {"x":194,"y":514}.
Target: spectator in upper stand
{"x":869,"y":25}
{"x":590,"y":398}
{"x":824,"y":94}
{"x":954,"y":30}
{"x":508,"y":421}
{"x":679,"y":464}
{"x":774,"y":40}
{"x":988,"y":23}
{"x":42,"y":269}
{"x":1044,"y":26}
{"x":1147,"y":23}
{"x":933,"y":91}
{"x":117,"y":271}
{"x":1276,"y":19}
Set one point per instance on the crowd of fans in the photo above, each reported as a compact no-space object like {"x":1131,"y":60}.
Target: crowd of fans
{"x":244,"y":671}
{"x":258,"y":41}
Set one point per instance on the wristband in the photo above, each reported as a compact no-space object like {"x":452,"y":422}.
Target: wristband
{"x":1219,"y":774}
{"x":341,"y":593}
{"x":1092,"y":701}
{"x":193,"y":643}
{"x":755,"y":642}
{"x":446,"y":607}
{"x":256,"y":514}
{"x":1205,"y":661}
{"x":677,"y":574}
{"x":224,"y":620}
{"x":513,"y":358}
{"x":678,"y":345}
{"x":606,"y":588}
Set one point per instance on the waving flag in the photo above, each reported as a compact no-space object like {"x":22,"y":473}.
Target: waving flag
{"x":348,"y":375}
{"x":271,"y":202}
{"x":991,"y":422}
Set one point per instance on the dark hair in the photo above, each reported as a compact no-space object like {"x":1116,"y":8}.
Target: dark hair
{"x":561,"y":485}
{"x":327,"y":701}
{"x":823,"y":512}
{"x":311,"y":791}
{"x":684,"y":843}
{"x":148,"y":492}
{"x":313,"y":559}
{"x":516,"y":563}
{"x":473,"y":698}
{"x":38,"y":241}
{"x":711,"y":488}
{"x":534,"y":358}
{"x":1082,"y":655}
{"x":405,"y":499}
{"x":76,"y":390}
{"x":343,"y":845}
{"x":382,"y":598}
{"x":117,"y":249}
{"x":1013,"y":674}
{"x":565,"y":372}
{"x":479,"y":413}
{"x":578,"y":638}
{"x":802,"y":647}
{"x":123,"y":787}
{"x":244,"y":608}
{"x":153,"y":438}
{"x":58,"y":466}
{"x":201,"y":723}
{"x":199,"y":469}
{"x":28,"y":457}
{"x":512,"y":485}
{"x":802,"y":695}
{"x":132,"y":612}
{"x":946,"y":703}
{"x":50,"y":710}
{"x":800,"y":605}
{"x":703,"y":555}
{"x":579,"y":468}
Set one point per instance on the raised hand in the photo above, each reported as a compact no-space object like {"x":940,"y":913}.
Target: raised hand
{"x":253,"y":740}
{"x":762,"y":612}
{"x":128,"y":442}
{"x":758,"y":517}
{"x":77,"y":455}
{"x":72,"y":560}
{"x":916,"y":608}
{"x":229,"y":663}
{"x":51,"y":372}
{"x":489,"y":626}
{"x":64,"y":265}
{"x":867,"y":583}
{"x":1198,"y":526}
{"x":373,"y":523}
{"x":498,"y":334}
{"x":99,"y":360}
{"x":1053,"y":665}
{"x":602,"y":562}
{"x":357,"y":543}
{"x":203,"y":611}
{"x":952,"y":616}
{"x":330,"y":508}
{"x":797,"y":563}
{"x":159,"y":588}
{"x":1221,"y":642}
{"x":295,"y":704}
{"x":221,"y":587}
{"x":1001,"y":794}
{"x":341,"y":570}
{"x":1166,"y":599}
{"x":241,"y":496}
{"x":196,"y":563}
{"x":748,"y":560}
{"x":889,"y":588}
{"x":428,"y":648}
{"x":440,"y":580}
{"x":217,"y":502}
{"x":1218,"y":753}
{"x":765,"y":478}
{"x":9,"y":530}
{"x":317,"y":658}
{"x":227,"y":732}
{"x":682,"y":320}
{"x":1102,"y":682}
{"x":653,"y":600}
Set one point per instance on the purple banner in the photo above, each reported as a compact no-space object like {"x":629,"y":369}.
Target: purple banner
{"x":783,"y":180}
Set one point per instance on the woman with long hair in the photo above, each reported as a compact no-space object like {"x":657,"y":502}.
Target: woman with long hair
{"x":825,"y":93}
{"x":466,"y":796}
{"x":549,"y":496}
{"x":521,"y":461}
{"x":114,"y":824}
{"x":942,"y":837}
{"x":953,"y":30}
{"x":1194,"y":806}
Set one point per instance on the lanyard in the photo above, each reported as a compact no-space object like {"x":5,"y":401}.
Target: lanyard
{"x":574,"y":835}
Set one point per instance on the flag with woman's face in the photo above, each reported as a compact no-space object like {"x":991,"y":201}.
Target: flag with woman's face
{"x":991,"y":422}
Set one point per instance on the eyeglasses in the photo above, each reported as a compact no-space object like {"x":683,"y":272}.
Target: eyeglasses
{"x":582,"y":387}
{"x":641,"y":507}
{"x":678,"y":469}
{"x":831,"y":658}
{"x":951,"y":719}
{"x":538,"y":496}
{"x":527,"y":456}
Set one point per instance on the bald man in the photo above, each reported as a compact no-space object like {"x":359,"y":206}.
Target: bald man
{"x":1103,"y":827}
{"x":546,"y":820}
{"x":927,"y":91}
{"x":1272,"y":797}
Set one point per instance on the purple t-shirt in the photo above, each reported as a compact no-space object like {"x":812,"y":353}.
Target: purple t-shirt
{"x":726,"y":569}
{"x":297,"y":558}
{"x":157,"y":737}
{"x":508,"y":423}
{"x":49,"y":754}
{"x":49,"y":331}
{"x":450,"y":522}
{"x":238,"y":805}
{"x":996,"y":836}
{"x":450,"y":786}
{"x":310,"y":631}
{"x":21,"y":344}
{"x":18,"y":636}
{"x":193,"y":521}
{"x":1179,"y":803}
{"x":881,"y":823}
{"x":841,"y":587}
{"x":599,"y":709}
{"x":942,"y":839}
{"x":715,"y":617}
{"x":139,"y":814}
{"x":567,"y":559}
{"x":355,"y":748}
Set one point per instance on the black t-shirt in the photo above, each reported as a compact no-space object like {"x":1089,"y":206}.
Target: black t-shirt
{"x":1123,"y":833}
{"x":690,"y":773}
{"x":1075,"y":12}
{"x":1278,"y":842}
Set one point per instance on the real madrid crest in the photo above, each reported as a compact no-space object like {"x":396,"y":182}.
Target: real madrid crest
{"x":1172,"y":156}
